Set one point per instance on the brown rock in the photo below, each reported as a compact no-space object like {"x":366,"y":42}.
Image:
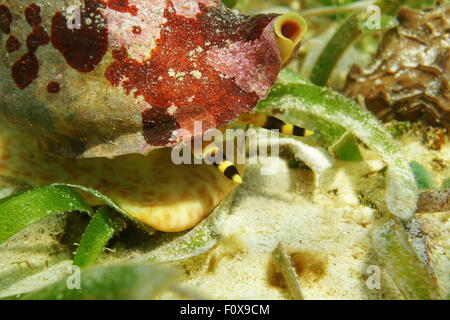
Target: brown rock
{"x":409,"y":79}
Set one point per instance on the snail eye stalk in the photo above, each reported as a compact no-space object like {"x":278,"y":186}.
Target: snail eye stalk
{"x":290,"y":29}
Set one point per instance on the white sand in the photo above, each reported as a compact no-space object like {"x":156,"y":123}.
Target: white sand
{"x":328,"y":226}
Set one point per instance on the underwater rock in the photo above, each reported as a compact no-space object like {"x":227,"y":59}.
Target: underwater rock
{"x":409,"y":79}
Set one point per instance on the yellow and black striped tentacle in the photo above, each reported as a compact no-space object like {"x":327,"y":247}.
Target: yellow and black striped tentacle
{"x":216,"y":157}
{"x":226,"y":167}
{"x":271,"y":123}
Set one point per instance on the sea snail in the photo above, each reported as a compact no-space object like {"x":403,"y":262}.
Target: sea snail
{"x":99,"y":78}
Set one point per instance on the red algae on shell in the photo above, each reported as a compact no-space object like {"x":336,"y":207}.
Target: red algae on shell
{"x":126,"y":60}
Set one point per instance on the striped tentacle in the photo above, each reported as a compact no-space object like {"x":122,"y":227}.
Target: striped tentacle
{"x":271,"y":123}
{"x":215,"y":156}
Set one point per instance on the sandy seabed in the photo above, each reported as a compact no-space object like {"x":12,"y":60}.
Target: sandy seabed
{"x":325,"y":223}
